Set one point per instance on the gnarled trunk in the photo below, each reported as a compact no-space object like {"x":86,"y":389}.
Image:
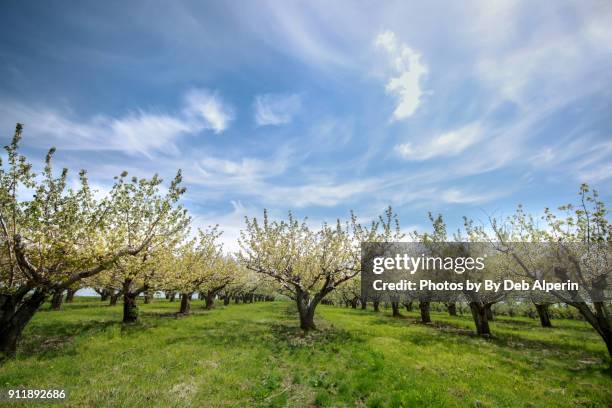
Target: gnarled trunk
{"x":395,"y":307}
{"x":376,"y":304}
{"x":209,"y":302}
{"x":185,"y":303}
{"x":354,"y":303}
{"x":130,"y":309}
{"x":424,"y":308}
{"x":489,"y":312}
{"x":70,"y":295}
{"x":226,"y":300}
{"x":600,"y":320}
{"x":452,"y":309}
{"x":408,"y":306}
{"x":364,"y":303}
{"x":542,"y":309}
{"x":481,"y":320}
{"x":171,"y":296}
{"x":114,"y":297}
{"x":56,"y":300}
{"x":306,"y":309}
{"x":104,"y":294}
{"x":15,"y":316}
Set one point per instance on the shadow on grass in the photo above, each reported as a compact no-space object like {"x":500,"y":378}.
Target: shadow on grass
{"x":47,"y":340}
{"x":72,"y":306}
{"x":51,"y":338}
{"x":513,"y":340}
{"x":278,"y":334}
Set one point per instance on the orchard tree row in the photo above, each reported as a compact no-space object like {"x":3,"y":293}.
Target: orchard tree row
{"x":137,"y":239}
{"x":574,"y":242}
{"x":58,"y":236}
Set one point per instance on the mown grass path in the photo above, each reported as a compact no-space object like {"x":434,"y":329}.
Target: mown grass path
{"x":253,"y":355}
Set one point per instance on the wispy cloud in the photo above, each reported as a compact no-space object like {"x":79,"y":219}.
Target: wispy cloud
{"x":222,"y":172}
{"x":276,"y":109}
{"x":447,"y":144}
{"x":258,"y":178}
{"x":140,"y":132}
{"x":208,"y":105}
{"x":143,"y":132}
{"x":596,"y":175}
{"x":462,"y":196}
{"x":492,"y":98}
{"x":406,"y":63}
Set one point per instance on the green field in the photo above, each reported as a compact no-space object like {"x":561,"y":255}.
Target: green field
{"x":253,"y":355}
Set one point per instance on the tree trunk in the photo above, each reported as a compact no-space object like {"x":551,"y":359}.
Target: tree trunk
{"x":185,"y":303}
{"x":306,"y":311}
{"x":14,"y":320}
{"x":147,"y":298}
{"x":70,"y":295}
{"x":424,"y":307}
{"x":395,"y":307}
{"x":172,"y":296}
{"x":408,"y":306}
{"x":600,"y":320}
{"x":209,"y":302}
{"x":226,"y":300}
{"x":56,"y":300}
{"x":364,"y":303}
{"x":104,"y":294}
{"x":479,"y":314}
{"x":130,"y":309}
{"x":489,"y":312}
{"x":114,"y":297}
{"x":542,"y":309}
{"x":376,"y":304}
{"x":452,"y":309}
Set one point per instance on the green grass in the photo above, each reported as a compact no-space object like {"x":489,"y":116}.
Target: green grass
{"x":253,"y":355}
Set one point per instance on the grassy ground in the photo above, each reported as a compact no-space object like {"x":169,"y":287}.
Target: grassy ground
{"x":252,"y":355}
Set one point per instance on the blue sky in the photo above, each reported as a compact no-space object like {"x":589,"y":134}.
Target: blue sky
{"x":464,"y":108}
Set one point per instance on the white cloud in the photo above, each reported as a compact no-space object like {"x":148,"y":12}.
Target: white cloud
{"x":447,"y":144}
{"x":538,"y":67}
{"x":584,"y":158}
{"x":457,"y":196}
{"x":301,"y":31}
{"x":144,"y":132}
{"x":255,"y":178}
{"x":137,"y":133}
{"x":410,"y":71}
{"x":223,"y":172}
{"x":276,"y":109}
{"x":596,"y":175}
{"x":211,"y":108}
{"x":328,"y":194}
